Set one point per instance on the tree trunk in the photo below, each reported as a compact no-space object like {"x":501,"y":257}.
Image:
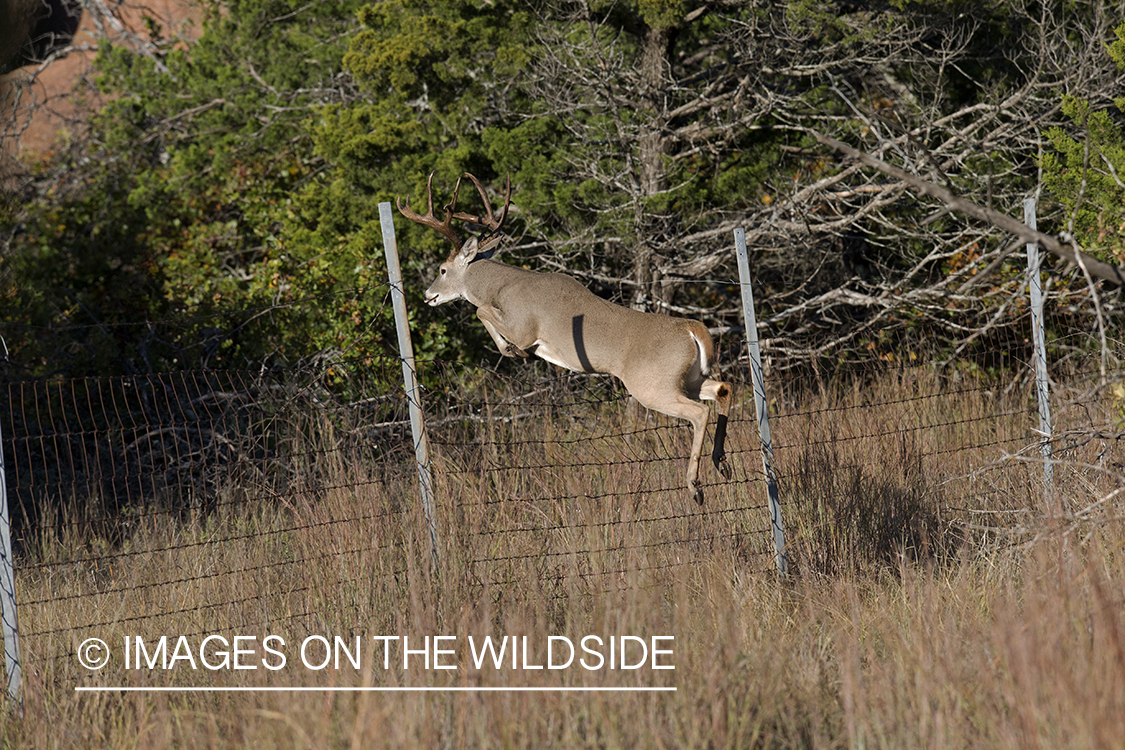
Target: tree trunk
{"x":652,"y":149}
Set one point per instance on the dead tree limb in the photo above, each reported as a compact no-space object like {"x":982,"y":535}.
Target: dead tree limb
{"x":1095,"y":267}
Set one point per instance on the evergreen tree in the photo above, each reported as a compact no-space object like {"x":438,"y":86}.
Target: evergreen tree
{"x":243,"y":171}
{"x":1086,"y":173}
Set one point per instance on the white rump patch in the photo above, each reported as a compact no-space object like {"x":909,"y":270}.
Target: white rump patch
{"x":704,"y":365}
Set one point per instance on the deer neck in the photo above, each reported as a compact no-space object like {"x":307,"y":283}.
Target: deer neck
{"x":485,"y":279}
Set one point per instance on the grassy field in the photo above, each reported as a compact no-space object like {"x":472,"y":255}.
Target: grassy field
{"x":937,"y":598}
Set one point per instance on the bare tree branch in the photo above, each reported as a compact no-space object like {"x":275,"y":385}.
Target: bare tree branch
{"x":1104,"y":271}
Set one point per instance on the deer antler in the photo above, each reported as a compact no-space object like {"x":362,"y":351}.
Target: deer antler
{"x":445,"y":228}
{"x":493,"y":225}
{"x":489,"y":221}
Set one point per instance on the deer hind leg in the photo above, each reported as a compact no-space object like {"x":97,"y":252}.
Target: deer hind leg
{"x":721,"y":393}
{"x":696,"y":413}
{"x":490,"y":316}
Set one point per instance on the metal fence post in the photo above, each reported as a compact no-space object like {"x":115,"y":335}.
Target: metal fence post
{"x":1042,"y":387}
{"x":409,"y":375}
{"x":8,"y":591}
{"x":761,"y":406}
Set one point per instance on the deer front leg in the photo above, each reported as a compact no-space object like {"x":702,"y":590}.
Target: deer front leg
{"x":490,"y":316}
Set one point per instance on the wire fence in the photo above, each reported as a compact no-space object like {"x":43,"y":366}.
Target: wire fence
{"x":111,"y":476}
{"x":185,"y":502}
{"x":561,"y":477}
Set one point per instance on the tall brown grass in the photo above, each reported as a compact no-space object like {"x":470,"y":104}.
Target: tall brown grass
{"x":937,"y":598}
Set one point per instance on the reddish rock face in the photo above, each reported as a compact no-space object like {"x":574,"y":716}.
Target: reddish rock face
{"x":61,"y":94}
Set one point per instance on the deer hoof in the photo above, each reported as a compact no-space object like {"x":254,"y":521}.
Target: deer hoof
{"x":697,"y":493}
{"x":515,"y":351}
{"x":724,"y":467}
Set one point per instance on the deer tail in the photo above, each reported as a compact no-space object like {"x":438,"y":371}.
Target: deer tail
{"x":704,"y":345}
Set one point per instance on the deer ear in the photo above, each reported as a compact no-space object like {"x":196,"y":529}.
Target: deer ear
{"x":488,"y":245}
{"x":469,"y":251}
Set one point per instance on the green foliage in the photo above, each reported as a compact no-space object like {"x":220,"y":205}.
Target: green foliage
{"x":196,"y":202}
{"x":232,"y":189}
{"x":663,"y":14}
{"x":1086,"y":170}
{"x":83,"y":261}
{"x":451,"y":89}
{"x":234,"y":182}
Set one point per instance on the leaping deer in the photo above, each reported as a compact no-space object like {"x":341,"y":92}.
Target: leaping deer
{"x":664,"y":362}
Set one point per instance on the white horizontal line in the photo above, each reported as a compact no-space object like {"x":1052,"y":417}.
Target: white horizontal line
{"x":266,"y":689}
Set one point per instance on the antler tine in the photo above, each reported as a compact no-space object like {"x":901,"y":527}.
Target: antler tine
{"x":488,"y":221}
{"x":445,"y":228}
{"x":452,"y":205}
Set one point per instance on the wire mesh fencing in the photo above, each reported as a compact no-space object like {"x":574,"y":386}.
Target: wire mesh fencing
{"x":199,"y":501}
{"x":560,"y":478}
{"x":184,"y":498}
{"x":919,"y":458}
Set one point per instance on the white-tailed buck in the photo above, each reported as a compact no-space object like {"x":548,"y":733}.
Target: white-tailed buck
{"x":664,"y":362}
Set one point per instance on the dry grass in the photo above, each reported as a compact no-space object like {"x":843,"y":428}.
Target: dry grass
{"x":933,"y":603}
